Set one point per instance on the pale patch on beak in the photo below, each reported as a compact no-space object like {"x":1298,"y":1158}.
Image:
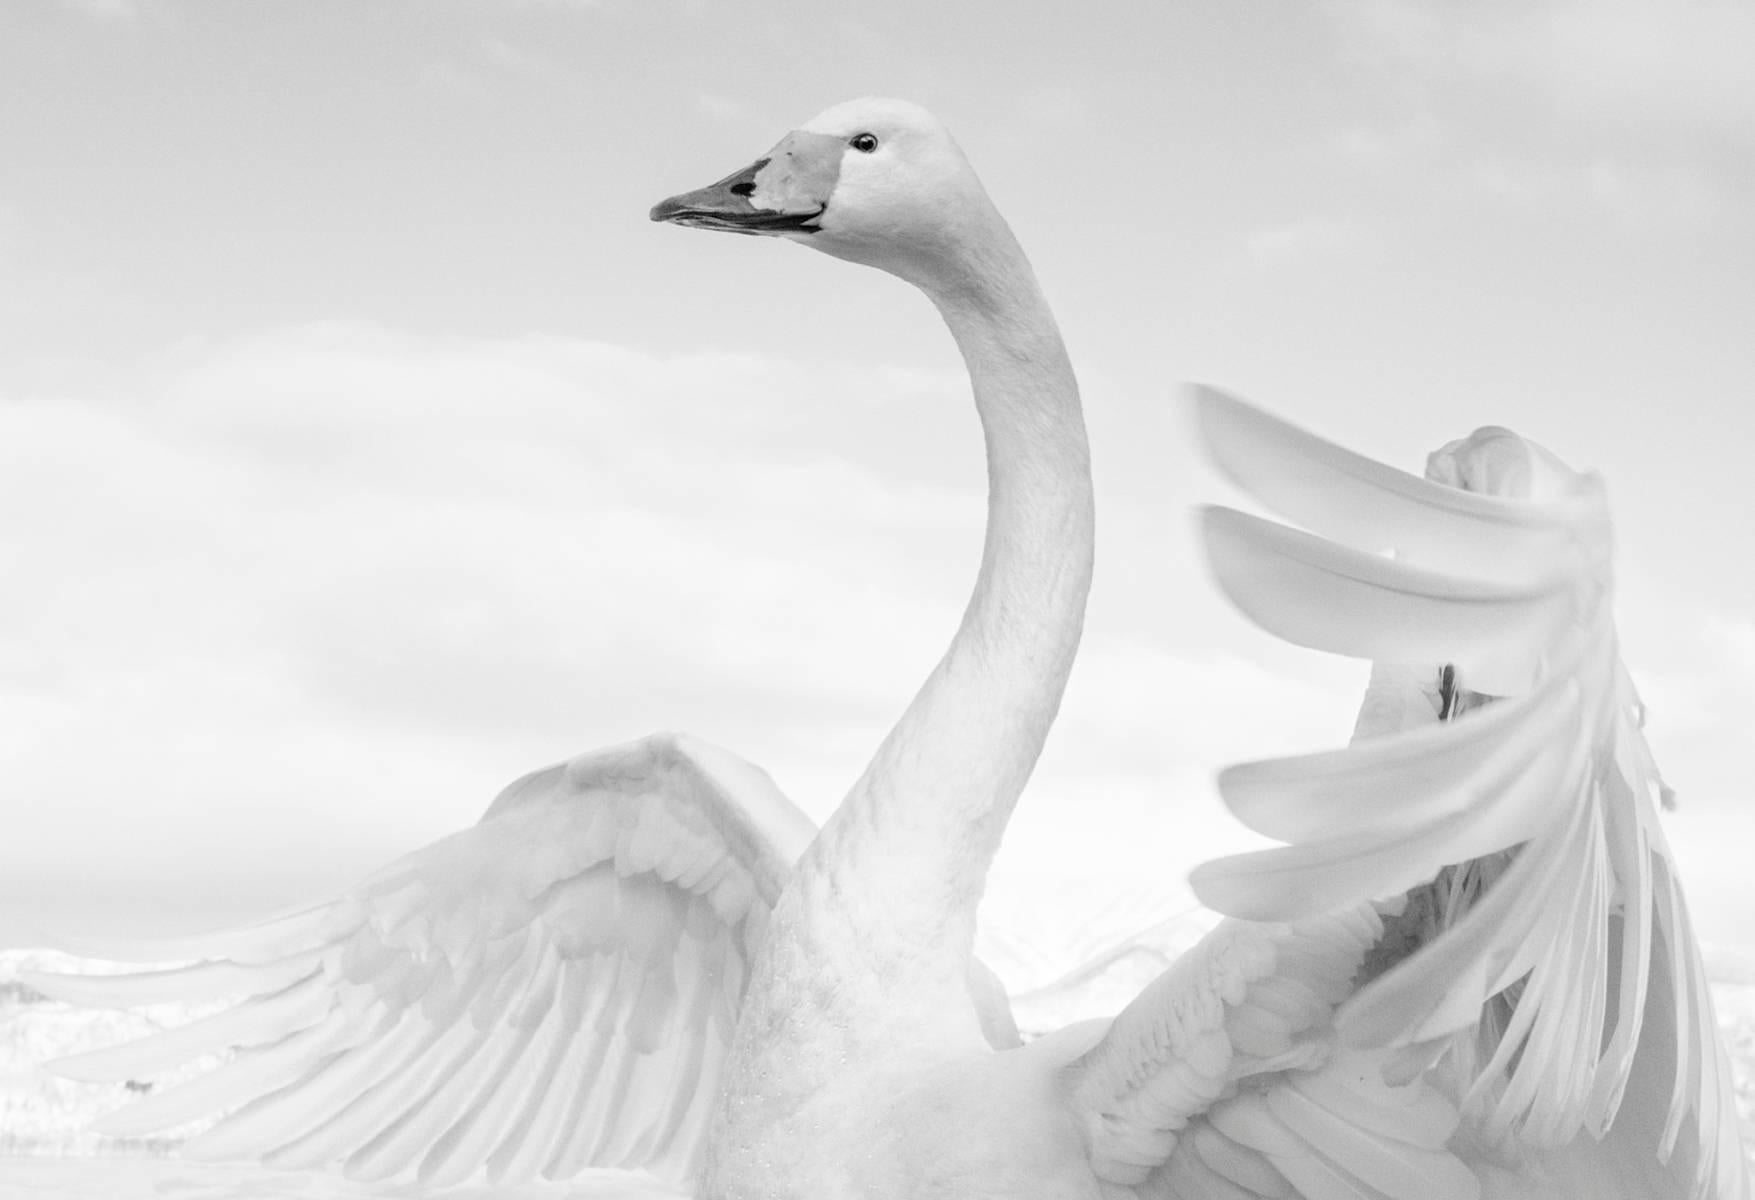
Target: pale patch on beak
{"x":783,"y":192}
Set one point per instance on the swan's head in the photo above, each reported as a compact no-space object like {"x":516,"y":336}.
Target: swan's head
{"x":874,"y":181}
{"x":1497,"y":462}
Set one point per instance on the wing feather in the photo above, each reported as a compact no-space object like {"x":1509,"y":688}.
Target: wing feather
{"x":1313,"y":593}
{"x":1565,"y":979}
{"x":1191,"y":1177}
{"x":192,"y":984}
{"x":294,"y":932}
{"x":478,"y":1133}
{"x":1254,"y":1174}
{"x":1403,"y":779}
{"x":250,"y":1074}
{"x":1222,"y":1079}
{"x":565,"y":1078}
{"x":1346,"y":497}
{"x":546,"y":991}
{"x":252,"y":1023}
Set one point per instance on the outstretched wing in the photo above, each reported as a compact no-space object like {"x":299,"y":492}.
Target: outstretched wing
{"x":1553,"y":955}
{"x":551,"y":989}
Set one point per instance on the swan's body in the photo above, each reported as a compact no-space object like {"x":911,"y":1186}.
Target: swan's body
{"x":863,"y":972}
{"x":621,"y":965}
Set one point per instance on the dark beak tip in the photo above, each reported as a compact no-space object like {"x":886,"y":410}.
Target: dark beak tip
{"x":726,"y":206}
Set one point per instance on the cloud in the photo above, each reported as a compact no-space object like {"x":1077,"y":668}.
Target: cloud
{"x":1644,"y":61}
{"x":1706,"y":689}
{"x":303,"y":601}
{"x":479,"y":70}
{"x":1700,"y":720}
{"x":300,"y":601}
{"x":1737,"y":639}
{"x":1057,"y":108}
{"x":106,"y":10}
{"x":1696,"y":674}
{"x":1637,"y":195}
{"x":312,"y":581}
{"x":721,"y":108}
{"x":1313,"y":237}
{"x":1625,"y":107}
{"x":1412,"y":135}
{"x":522,"y":62}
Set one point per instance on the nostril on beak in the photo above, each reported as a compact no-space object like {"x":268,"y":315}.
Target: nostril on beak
{"x":746,"y":188}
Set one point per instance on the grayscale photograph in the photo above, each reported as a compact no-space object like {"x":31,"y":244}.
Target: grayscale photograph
{"x":1174,"y":619}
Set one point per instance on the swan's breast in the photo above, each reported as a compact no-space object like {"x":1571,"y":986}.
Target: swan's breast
{"x":981,"y":1126}
{"x":993,"y":1125}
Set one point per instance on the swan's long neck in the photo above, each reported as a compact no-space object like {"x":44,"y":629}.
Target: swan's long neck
{"x":887,"y":895}
{"x":941,"y":787}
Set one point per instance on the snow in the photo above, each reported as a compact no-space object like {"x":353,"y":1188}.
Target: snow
{"x":166,"y":1179}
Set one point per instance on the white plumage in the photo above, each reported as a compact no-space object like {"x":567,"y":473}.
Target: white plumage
{"x":552,"y":988}
{"x":1573,"y":917}
{"x":1469,"y":962}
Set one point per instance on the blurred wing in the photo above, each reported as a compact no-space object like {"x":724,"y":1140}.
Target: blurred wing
{"x":551,"y":989}
{"x":1222,"y":1081}
{"x":1544,"y":803}
{"x":1349,"y":498}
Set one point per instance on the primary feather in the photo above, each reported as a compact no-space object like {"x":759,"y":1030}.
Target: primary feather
{"x":1552,"y":951}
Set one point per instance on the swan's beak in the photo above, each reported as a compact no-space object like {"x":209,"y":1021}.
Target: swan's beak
{"x":783,"y":192}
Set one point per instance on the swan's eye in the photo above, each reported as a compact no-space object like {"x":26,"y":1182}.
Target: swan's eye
{"x":865,"y":143}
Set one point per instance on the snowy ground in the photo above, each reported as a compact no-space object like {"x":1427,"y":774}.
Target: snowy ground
{"x":168,"y":1179}
{"x":46,"y":1153}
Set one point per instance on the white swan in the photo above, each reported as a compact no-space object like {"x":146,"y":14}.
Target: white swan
{"x":617,"y":966}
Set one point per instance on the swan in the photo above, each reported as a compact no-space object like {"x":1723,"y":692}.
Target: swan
{"x":1469,"y":972}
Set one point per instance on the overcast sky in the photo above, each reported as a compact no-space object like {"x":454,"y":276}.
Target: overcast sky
{"x":363,"y":446}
